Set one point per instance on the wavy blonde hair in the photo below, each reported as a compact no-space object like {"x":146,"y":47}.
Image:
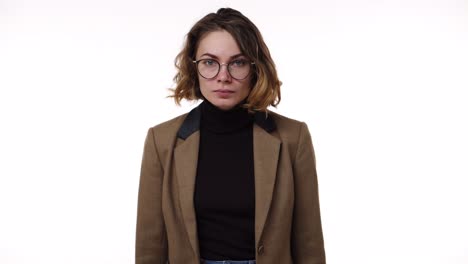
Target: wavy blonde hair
{"x":265,"y":85}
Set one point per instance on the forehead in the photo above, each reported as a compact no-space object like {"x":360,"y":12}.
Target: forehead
{"x":218,"y":43}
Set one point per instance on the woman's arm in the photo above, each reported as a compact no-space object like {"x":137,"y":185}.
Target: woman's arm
{"x":151,"y":239}
{"x":307,"y":239}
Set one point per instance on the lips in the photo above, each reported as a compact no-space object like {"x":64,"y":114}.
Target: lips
{"x":223,"y":93}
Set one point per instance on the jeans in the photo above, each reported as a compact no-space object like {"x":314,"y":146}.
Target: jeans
{"x":204,"y":261}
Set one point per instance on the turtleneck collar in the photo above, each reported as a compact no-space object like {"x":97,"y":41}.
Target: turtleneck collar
{"x":224,"y":121}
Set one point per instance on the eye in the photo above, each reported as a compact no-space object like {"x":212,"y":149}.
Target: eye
{"x":238,"y":63}
{"x":208,"y":62}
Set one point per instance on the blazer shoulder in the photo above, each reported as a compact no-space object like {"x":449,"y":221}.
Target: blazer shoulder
{"x":289,"y":131}
{"x":165,"y":133}
{"x":171,"y":125}
{"x":286,"y":124}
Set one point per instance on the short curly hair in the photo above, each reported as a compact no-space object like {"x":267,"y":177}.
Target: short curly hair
{"x":264,"y":83}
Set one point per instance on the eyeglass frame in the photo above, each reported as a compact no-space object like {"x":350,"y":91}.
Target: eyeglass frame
{"x":219,"y":69}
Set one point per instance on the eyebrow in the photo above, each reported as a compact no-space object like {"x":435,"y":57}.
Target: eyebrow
{"x":216,"y":57}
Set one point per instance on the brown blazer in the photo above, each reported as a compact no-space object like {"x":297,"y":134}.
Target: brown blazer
{"x":287,"y":215}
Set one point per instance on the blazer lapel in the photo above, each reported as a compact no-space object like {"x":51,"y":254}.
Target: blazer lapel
{"x":266,"y":154}
{"x":185,"y":160}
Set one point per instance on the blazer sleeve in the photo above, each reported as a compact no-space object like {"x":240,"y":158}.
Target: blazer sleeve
{"x":151,"y":239}
{"x":307,"y":238}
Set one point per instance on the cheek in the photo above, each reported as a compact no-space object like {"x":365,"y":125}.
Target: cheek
{"x":246,"y":88}
{"x":203,"y":82}
{"x":204,"y":86}
{"x":248,"y":85}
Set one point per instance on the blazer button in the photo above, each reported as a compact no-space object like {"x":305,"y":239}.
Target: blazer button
{"x":260,"y":250}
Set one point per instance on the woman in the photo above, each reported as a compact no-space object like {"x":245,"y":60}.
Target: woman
{"x":228,"y":181}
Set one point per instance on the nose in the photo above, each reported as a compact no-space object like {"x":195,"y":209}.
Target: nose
{"x":224,"y":75}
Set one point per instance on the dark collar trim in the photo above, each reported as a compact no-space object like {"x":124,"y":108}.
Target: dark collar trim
{"x":191,"y":123}
{"x":265,"y":121}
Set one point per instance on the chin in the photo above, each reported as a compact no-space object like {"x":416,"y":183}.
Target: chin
{"x":224,"y":104}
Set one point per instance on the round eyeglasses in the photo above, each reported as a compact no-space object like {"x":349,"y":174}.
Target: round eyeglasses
{"x":239,"y":69}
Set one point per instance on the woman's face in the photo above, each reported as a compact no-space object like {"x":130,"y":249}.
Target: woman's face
{"x":222,"y":91}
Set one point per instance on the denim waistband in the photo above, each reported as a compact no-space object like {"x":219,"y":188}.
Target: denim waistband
{"x":204,"y":261}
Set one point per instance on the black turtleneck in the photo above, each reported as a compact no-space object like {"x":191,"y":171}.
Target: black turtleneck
{"x":225,"y":188}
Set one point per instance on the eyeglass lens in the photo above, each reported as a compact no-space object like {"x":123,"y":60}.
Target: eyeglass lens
{"x":209,"y":68}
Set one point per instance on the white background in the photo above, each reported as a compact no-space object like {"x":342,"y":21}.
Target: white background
{"x":381,"y":84}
